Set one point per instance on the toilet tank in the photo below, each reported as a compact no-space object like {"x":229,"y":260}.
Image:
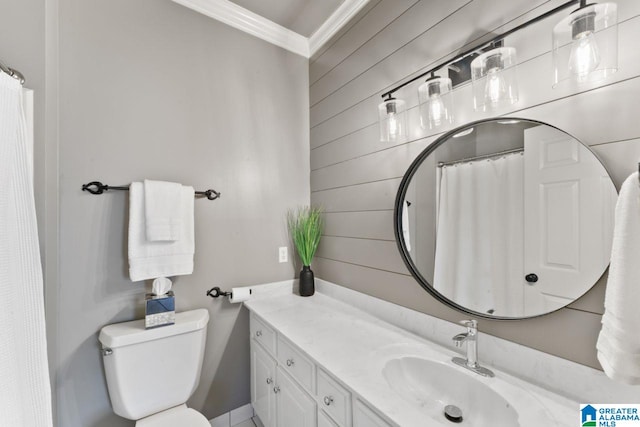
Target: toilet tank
{"x":150,"y":370}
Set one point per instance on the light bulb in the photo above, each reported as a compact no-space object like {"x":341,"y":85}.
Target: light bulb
{"x":585,"y":56}
{"x":392,"y":123}
{"x":585,"y":44}
{"x":494,"y":78}
{"x":437,"y":110}
{"x":392,"y":119}
{"x":435,"y":102}
{"x":496,"y":88}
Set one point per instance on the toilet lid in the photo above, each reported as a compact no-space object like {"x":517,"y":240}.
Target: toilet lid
{"x":178,"y":416}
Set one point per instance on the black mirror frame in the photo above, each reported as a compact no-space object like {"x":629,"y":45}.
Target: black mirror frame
{"x":397,"y":219}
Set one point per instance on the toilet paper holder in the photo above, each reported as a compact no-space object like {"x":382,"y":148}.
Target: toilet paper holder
{"x":216,"y":292}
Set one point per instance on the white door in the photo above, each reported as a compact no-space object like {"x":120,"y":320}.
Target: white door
{"x":567,"y":207}
{"x":295,"y":407}
{"x":263,"y":375}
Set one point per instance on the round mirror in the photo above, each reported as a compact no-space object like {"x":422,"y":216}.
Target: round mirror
{"x":506,"y":218}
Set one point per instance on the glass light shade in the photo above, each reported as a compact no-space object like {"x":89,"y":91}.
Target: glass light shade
{"x":393,"y":120}
{"x":585,"y":44}
{"x":494,"y":79}
{"x":436,"y":103}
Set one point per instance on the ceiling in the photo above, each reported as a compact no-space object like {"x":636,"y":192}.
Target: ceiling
{"x":301,"y":16}
{"x":300,"y":26}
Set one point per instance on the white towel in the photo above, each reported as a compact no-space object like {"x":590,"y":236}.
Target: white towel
{"x":148,"y":260}
{"x":619,"y":341}
{"x":162,"y":209}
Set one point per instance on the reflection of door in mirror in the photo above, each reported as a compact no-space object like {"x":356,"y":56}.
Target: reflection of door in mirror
{"x":568,"y":218}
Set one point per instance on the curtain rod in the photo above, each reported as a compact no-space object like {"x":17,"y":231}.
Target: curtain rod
{"x":486,"y":156}
{"x":13,"y":73}
{"x":484,"y":44}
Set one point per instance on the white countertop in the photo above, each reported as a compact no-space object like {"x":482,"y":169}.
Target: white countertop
{"x":353,"y":346}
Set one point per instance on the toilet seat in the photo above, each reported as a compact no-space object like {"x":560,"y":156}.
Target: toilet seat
{"x":178,"y":416}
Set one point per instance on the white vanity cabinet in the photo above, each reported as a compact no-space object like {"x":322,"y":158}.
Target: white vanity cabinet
{"x":324,"y":420}
{"x":263,"y":375}
{"x":363,"y":416}
{"x":333,"y":399}
{"x":289,"y":390}
{"x":281,"y":380}
{"x":294,"y":407}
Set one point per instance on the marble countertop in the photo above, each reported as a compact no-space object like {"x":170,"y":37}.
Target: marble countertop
{"x":353,"y":346}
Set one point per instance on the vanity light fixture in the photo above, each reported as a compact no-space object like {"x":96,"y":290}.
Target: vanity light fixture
{"x":393,"y":120}
{"x":585,"y":48}
{"x":585,"y":44}
{"x":494,"y":80}
{"x":436,"y":103}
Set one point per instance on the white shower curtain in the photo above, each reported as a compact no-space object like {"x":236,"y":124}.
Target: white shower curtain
{"x":479,"y":243}
{"x":25,"y":394}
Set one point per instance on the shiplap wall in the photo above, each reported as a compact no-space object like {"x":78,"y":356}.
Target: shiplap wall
{"x":355,"y":177}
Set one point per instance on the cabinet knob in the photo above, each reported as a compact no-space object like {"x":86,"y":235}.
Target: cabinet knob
{"x":290,"y":362}
{"x":258,"y":333}
{"x":328,"y":400}
{"x":276,"y":389}
{"x":269,"y":380}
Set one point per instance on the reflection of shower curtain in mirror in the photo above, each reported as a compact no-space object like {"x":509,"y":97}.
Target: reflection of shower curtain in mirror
{"x":479,"y":243}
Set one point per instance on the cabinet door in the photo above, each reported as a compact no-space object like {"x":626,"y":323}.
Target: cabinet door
{"x":365,"y":417}
{"x":263,"y":374}
{"x":295,"y":407}
{"x":324,"y":420}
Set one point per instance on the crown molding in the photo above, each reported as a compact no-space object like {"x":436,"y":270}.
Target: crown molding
{"x":258,"y":26}
{"x":251,"y":23}
{"x":347,"y":10}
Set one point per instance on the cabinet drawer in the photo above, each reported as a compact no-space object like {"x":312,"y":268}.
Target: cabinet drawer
{"x":334,"y":399}
{"x":263,"y":334}
{"x":296,"y":364}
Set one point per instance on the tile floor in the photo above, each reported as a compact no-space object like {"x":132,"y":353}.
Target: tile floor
{"x":248,"y":423}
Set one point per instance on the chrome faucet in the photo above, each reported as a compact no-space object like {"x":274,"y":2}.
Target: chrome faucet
{"x":471,"y":338}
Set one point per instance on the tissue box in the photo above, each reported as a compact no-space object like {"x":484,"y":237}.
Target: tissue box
{"x":160,"y":310}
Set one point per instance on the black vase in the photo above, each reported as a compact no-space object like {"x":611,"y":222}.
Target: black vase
{"x":307,"y":282}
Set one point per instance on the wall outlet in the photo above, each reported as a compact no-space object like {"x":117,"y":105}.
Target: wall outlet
{"x":283,"y":254}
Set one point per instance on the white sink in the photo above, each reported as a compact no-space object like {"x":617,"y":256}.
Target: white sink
{"x":430,"y":386}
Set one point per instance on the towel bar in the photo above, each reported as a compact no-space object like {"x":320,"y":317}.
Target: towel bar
{"x":96,"y":187}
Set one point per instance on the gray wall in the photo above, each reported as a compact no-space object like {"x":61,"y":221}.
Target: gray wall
{"x":150,"y":89}
{"x":355,"y":177}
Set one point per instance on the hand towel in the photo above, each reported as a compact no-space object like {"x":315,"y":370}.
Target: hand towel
{"x":148,"y":260}
{"x":619,"y":342}
{"x":162,"y":210}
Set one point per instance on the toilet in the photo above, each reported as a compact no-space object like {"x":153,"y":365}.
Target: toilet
{"x":152,"y":372}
